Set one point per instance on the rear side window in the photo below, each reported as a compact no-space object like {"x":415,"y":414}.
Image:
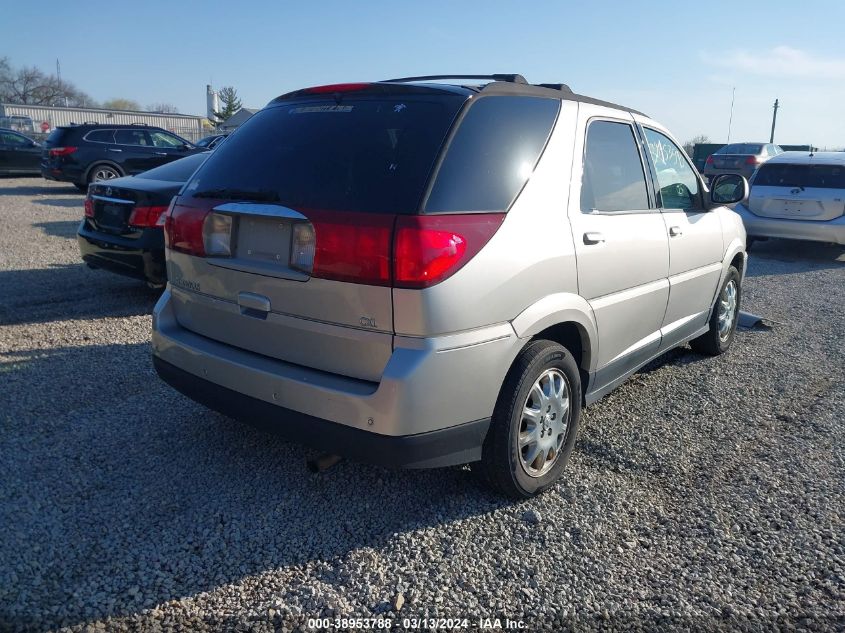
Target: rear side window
{"x":100,"y":136}
{"x":356,"y":154}
{"x":786,"y":175}
{"x":613,"y":179}
{"x":177,"y":171}
{"x":492,"y":154}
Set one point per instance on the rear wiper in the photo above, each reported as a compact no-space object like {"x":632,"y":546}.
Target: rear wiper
{"x":239,"y":194}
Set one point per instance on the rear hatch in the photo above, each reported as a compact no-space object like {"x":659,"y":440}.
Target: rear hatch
{"x":281,"y":243}
{"x":729,"y":161}
{"x":55,"y":141}
{"x":798,"y":191}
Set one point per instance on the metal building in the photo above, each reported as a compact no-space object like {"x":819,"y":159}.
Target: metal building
{"x":46,"y":118}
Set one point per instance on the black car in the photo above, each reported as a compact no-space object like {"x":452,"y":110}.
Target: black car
{"x":18,"y":154}
{"x":210,"y":142}
{"x":121,"y":230}
{"x":82,"y":154}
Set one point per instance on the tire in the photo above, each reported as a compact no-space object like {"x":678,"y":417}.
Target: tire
{"x":103,"y":171}
{"x":505,"y":463}
{"x":81,"y":186}
{"x":717,"y":339}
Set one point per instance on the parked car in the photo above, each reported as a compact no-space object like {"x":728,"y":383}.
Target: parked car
{"x":739,"y":158}
{"x":122,"y":230}
{"x":798,"y":195}
{"x":424,"y":274}
{"x":19,"y":154}
{"x":210,"y":142}
{"x":82,"y":154}
{"x":17,"y":123}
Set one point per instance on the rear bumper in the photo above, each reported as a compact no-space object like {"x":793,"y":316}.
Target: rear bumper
{"x":446,"y":447}
{"x":141,"y":258}
{"x":432,"y":388}
{"x":62,"y":173}
{"x":816,"y":231}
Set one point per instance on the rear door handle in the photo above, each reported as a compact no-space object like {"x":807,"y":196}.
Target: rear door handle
{"x":111,"y":149}
{"x":593,"y":238}
{"x":675,"y":231}
{"x":161,"y":153}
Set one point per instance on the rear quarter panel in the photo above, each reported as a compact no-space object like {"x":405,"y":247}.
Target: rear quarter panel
{"x":531,"y":256}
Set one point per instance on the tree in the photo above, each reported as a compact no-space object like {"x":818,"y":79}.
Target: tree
{"x":121,"y":104}
{"x":164,"y":108}
{"x":30,"y":86}
{"x":689,"y":146}
{"x":231,"y":103}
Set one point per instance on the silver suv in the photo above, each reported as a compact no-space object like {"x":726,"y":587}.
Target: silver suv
{"x":422,"y":274}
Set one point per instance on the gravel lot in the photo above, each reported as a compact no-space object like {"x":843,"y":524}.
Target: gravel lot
{"x":704,"y":493}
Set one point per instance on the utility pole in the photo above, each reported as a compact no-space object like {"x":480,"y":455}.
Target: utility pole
{"x":731,"y":119}
{"x":774,"y":120}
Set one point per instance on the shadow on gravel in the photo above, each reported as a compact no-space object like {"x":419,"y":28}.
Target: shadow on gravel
{"x":59,"y":228}
{"x":78,"y":203}
{"x":125,"y":495}
{"x":679,"y":356}
{"x":70,"y":291}
{"x":774,"y":257}
{"x":36,"y":190}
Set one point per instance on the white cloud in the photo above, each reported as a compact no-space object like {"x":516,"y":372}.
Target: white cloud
{"x":781,"y":61}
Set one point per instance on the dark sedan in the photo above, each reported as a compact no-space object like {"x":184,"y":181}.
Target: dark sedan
{"x":121,"y":231}
{"x":19,"y":154}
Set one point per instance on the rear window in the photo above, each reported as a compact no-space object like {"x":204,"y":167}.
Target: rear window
{"x":492,"y":154}
{"x":786,"y":175}
{"x":356,"y":154}
{"x":177,"y":171}
{"x":55,"y":137}
{"x":741,"y":148}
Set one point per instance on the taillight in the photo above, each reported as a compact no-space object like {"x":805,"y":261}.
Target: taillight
{"x":89,"y":207}
{"x":709,"y":160}
{"x":751,"y":160}
{"x":406,"y":251}
{"x":62,"y":151}
{"x":430,"y":248}
{"x":146,"y":216}
{"x":347,"y":247}
{"x":183,"y":230}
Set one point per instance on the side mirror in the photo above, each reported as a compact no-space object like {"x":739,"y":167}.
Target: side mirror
{"x":728,"y":189}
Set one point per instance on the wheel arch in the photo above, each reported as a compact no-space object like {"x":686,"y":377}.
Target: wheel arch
{"x":97,"y":163}
{"x":566,"y":319}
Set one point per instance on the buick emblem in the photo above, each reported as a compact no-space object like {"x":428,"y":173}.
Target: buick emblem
{"x":108,"y":191}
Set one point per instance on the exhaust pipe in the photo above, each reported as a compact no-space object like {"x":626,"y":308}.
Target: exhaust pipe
{"x":322,"y":463}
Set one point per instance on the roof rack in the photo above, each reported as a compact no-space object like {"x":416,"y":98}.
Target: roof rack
{"x":561,"y":87}
{"x":513,"y":78}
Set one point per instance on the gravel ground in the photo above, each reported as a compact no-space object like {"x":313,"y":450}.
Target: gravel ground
{"x":704,"y":493}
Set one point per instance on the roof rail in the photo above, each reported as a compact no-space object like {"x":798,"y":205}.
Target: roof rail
{"x":138,"y":123}
{"x":561,"y":87}
{"x":513,"y":78}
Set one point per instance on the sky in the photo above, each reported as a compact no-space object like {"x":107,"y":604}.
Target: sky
{"x":676,"y":61}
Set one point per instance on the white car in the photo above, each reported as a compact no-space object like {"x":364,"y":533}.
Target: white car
{"x":797,"y":195}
